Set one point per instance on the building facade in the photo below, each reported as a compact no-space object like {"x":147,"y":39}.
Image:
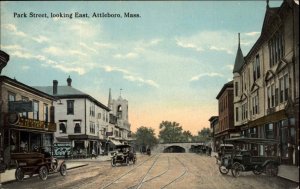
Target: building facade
{"x":81,"y":119}
{"x":266,"y":93}
{"x":226,"y":127}
{"x":214,"y":127}
{"x":27,"y":119}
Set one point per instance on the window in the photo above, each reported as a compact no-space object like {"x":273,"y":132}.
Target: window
{"x":236,"y":114}
{"x":269,"y":97}
{"x":36,"y":110}
{"x":286,"y":87}
{"x":281,"y":88}
{"x":269,"y":131}
{"x":244,"y":111}
{"x":70,"y":107}
{"x":272,"y":95}
{"x":63,"y":127}
{"x":77,"y":127}
{"x":236,"y":87}
{"x":255,"y":105}
{"x":25,"y":114}
{"x":276,"y":48}
{"x":92,"y":127}
{"x":99,"y":115}
{"x":92,"y":110}
{"x":256,"y":68}
{"x":11,"y":97}
{"x":46,"y":112}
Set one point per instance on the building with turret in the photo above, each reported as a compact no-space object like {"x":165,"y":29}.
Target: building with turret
{"x":266,"y":80}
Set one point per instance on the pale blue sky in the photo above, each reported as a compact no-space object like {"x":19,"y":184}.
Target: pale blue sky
{"x":171,"y":62}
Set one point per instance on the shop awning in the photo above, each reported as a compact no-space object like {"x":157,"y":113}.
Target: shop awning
{"x":115,"y":142}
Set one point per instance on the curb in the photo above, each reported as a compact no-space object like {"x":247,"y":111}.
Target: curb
{"x":10,"y":181}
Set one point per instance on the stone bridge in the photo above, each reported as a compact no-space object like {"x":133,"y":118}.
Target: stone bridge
{"x":176,"y":147}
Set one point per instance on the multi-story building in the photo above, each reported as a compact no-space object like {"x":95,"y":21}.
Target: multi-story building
{"x":226,"y":127}
{"x":82,"y":121}
{"x":27,"y":119}
{"x":214,"y":127}
{"x":266,"y":93}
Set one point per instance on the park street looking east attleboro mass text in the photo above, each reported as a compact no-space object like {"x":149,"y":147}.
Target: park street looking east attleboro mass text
{"x":75,"y":15}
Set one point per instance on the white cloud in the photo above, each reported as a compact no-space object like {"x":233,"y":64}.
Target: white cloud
{"x":11,"y":47}
{"x":13,"y":28}
{"x":186,"y":44}
{"x":56,"y":51}
{"x":87,"y":47}
{"x":229,"y":66}
{"x":141,"y":80}
{"x":103,"y":45}
{"x":76,"y":52}
{"x":40,"y":39}
{"x":130,"y":55}
{"x":220,"y":49}
{"x":213,"y":74}
{"x":252,"y":33}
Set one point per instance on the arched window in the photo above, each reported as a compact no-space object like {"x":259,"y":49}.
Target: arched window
{"x":77,"y":128}
{"x":62,"y":127}
{"x":119,"y":111}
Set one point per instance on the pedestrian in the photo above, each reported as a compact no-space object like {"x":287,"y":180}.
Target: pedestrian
{"x":93,"y":154}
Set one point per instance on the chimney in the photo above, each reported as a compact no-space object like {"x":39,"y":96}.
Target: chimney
{"x":69,"y":81}
{"x":55,"y":83}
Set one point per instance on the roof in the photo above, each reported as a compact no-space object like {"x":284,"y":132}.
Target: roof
{"x":239,"y":60}
{"x":225,"y":86}
{"x":213,"y":118}
{"x":69,"y":92}
{"x":26,"y":87}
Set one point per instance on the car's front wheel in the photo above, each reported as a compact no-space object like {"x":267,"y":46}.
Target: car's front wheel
{"x":19,"y":174}
{"x":223,"y":170}
{"x":63,"y":169}
{"x":43,"y":172}
{"x":236,"y":169}
{"x":113,"y":162}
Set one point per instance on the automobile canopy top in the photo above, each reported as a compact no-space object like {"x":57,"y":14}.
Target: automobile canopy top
{"x":123,"y":146}
{"x":252,"y":140}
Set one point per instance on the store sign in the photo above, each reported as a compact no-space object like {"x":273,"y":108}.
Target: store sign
{"x":62,"y":149}
{"x":20,"y":106}
{"x":30,"y":123}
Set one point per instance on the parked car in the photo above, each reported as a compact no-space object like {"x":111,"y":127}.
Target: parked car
{"x":241,"y":160}
{"x":37,"y":163}
{"x":124,"y":154}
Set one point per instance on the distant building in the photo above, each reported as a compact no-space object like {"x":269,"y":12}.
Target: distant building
{"x":226,"y":127}
{"x":266,"y":84}
{"x":214,"y":127}
{"x":119,"y":110}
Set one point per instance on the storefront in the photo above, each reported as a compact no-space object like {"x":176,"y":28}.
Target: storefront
{"x":84,"y":146}
{"x":26,"y":135}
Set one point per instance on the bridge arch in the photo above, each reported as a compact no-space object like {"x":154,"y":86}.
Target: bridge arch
{"x":174,"y":149}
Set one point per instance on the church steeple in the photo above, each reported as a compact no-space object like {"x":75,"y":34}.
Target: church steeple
{"x":109,"y":100}
{"x":239,"y":59}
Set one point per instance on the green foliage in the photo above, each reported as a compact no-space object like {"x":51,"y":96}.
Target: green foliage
{"x":170,"y":132}
{"x":145,"y":137}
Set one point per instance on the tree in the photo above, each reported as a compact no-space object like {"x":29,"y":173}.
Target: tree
{"x":187,"y":136}
{"x":203,"y":135}
{"x":170,"y":132}
{"x":145,"y":137}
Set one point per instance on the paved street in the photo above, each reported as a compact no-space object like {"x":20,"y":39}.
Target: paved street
{"x":157,"y":171}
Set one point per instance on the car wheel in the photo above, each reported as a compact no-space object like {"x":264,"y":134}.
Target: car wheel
{"x":127,"y":161}
{"x":19,"y":174}
{"x":271,"y":169}
{"x":257,"y":170}
{"x":63,"y":169}
{"x":223,"y":170}
{"x":43,"y":172}
{"x":236,"y":169}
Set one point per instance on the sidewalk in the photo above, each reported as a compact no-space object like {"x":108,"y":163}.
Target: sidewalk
{"x":9,"y":175}
{"x":289,"y":172}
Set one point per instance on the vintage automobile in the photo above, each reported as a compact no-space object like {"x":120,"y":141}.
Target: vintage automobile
{"x":242,"y":160}
{"x":37,"y":163}
{"x":124,"y":154}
